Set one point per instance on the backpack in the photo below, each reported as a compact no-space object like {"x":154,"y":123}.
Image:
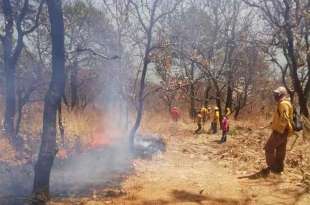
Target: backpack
{"x":296,"y":121}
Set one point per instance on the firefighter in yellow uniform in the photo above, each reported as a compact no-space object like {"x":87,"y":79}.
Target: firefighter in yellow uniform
{"x":204,"y":113}
{"x":275,"y":148}
{"x":209,"y":112}
{"x":228,"y":111}
{"x":215,"y":120}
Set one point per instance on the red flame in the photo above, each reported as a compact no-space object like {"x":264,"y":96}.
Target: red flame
{"x":99,"y":139}
{"x":62,"y":154}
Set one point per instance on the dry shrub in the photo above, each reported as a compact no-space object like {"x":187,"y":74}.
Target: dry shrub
{"x":7,"y":153}
{"x":76,"y":123}
{"x":31,"y":123}
{"x":81,"y":124}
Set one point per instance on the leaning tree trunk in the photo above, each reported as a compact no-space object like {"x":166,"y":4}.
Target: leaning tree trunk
{"x":140,"y":106}
{"x":51,"y":103}
{"x":134,"y":129}
{"x":192,"y":93}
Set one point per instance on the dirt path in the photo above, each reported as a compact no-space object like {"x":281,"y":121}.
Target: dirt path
{"x":190,"y":173}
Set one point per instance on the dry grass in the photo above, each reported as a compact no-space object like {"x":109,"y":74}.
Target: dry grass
{"x":7,"y":153}
{"x":78,"y":125}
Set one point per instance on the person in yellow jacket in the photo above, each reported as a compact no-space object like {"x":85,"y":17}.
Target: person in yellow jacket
{"x":228,"y":111}
{"x":215,"y":120}
{"x":204,"y":113}
{"x":275,"y":148}
{"x":209,"y":112}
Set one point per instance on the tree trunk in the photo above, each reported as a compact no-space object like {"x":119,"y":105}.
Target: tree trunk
{"x":11,"y":55}
{"x":237,"y":111}
{"x":9,"y":71}
{"x":74,"y":85}
{"x":206,"y":97}
{"x":134,"y":129}
{"x":293,"y":70}
{"x":19,"y":117}
{"x":140,"y":106}
{"x":10,"y":101}
{"x":229,"y":98}
{"x":169,"y":105}
{"x":219,"y":105}
{"x":60,"y":125}
{"x":192,"y":101}
{"x":192,"y":92}
{"x":229,"y":93}
{"x":52,"y":100}
{"x":238,"y":106}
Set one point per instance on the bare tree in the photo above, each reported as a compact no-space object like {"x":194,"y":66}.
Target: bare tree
{"x":85,"y":46}
{"x":17,"y":15}
{"x":287,"y":24}
{"x":148,"y":23}
{"x":30,"y":85}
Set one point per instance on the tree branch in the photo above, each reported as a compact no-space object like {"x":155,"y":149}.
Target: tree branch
{"x":37,"y":18}
{"x":139,"y":15}
{"x":96,"y":53}
{"x":168,"y":12}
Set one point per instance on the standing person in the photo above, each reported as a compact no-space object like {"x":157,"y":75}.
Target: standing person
{"x":204,"y":113}
{"x":215,"y":120}
{"x":224,"y":128}
{"x":275,"y":148}
{"x":175,"y":114}
{"x":228,"y":111}
{"x":199,"y":122}
{"x":209,"y":112}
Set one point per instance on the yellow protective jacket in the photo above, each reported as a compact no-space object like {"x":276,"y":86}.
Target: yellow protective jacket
{"x":282,"y":117}
{"x":216,"y":117}
{"x":228,"y":111}
{"x":199,"y":118}
{"x":204,"y":111}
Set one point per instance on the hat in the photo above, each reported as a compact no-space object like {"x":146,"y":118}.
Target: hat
{"x":281,"y":91}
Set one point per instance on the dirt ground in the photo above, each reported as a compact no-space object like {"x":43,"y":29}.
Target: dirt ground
{"x":196,"y":169}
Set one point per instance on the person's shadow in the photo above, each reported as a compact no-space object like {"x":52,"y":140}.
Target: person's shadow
{"x":264,"y":173}
{"x":218,"y":141}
